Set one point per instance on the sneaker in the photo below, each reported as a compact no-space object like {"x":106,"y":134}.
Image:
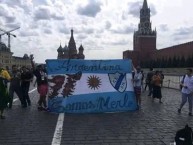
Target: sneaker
{"x":179,"y":110}
{"x":24,"y":106}
{"x":9,"y":106}
{"x":190,"y":114}
{"x":46,"y":109}
{"x":40,"y":108}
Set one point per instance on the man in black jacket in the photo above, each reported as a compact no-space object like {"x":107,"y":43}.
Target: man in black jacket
{"x":26,"y":78}
{"x":148,"y":80}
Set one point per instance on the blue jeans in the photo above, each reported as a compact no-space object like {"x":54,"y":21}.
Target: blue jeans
{"x":184,"y":100}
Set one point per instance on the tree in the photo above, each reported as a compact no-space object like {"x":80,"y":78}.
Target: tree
{"x":169,"y":63}
{"x":182,"y":62}
{"x":188,"y":62}
{"x":163,"y":63}
{"x":157,"y":63}
{"x":178,"y":62}
{"x":174,"y":62}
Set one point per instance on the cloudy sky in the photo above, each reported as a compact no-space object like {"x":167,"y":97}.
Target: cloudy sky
{"x":104,"y":27}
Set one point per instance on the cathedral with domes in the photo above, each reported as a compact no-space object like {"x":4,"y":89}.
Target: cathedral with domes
{"x":70,"y":51}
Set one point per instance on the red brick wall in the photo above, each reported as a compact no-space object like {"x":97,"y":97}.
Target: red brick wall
{"x":133,"y":55}
{"x":147,"y":51}
{"x":185,"y":49}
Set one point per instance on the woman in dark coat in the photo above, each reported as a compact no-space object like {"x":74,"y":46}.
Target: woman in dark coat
{"x":156,"y":82}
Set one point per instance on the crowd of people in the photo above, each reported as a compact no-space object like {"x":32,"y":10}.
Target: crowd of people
{"x":17,"y":80}
{"x":154,"y":82}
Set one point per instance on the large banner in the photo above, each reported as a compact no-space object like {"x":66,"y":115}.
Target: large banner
{"x":90,"y":86}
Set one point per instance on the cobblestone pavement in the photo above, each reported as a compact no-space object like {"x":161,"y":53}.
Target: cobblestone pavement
{"x":27,"y":126}
{"x":154,"y":124}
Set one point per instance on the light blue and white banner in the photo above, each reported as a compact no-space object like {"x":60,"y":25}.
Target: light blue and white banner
{"x":90,"y":86}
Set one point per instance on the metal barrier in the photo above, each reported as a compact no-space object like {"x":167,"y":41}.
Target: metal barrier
{"x":172,"y":81}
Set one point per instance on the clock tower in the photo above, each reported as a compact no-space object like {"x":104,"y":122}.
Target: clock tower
{"x":144,"y":39}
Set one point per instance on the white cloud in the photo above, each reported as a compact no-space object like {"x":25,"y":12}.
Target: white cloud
{"x":104,"y":27}
{"x":129,"y":29}
{"x":108,"y":25}
{"x":91,"y":9}
{"x":28,"y":33}
{"x":42,"y":13}
{"x":163,"y":28}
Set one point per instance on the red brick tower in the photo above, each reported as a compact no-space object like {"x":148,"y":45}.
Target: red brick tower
{"x":144,"y":39}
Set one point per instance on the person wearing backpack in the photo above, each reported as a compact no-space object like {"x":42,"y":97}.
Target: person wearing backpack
{"x":187,"y":91}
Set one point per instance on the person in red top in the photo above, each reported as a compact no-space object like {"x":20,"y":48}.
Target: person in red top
{"x":42,"y":85}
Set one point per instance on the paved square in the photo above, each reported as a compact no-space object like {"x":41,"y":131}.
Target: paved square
{"x":154,"y":124}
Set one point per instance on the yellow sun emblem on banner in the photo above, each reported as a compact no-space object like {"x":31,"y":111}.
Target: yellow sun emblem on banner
{"x":94,"y":82}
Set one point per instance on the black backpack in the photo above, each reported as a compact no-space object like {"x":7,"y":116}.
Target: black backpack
{"x":184,"y":136}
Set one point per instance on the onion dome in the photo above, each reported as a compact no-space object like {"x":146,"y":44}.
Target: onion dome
{"x":60,"y":48}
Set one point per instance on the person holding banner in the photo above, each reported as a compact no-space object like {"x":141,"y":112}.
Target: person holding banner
{"x":137,"y":83}
{"x":42,"y":85}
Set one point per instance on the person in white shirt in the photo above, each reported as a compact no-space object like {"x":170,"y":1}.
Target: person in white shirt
{"x":137,"y":83}
{"x":187,"y":91}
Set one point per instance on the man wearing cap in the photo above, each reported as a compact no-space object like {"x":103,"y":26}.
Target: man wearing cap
{"x":187,"y":91}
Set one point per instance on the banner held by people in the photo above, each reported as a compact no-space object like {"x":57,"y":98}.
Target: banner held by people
{"x":90,"y":86}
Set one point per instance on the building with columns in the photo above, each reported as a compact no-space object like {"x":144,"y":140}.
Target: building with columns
{"x":144,"y":43}
{"x":7,"y":59}
{"x":70,"y":51}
